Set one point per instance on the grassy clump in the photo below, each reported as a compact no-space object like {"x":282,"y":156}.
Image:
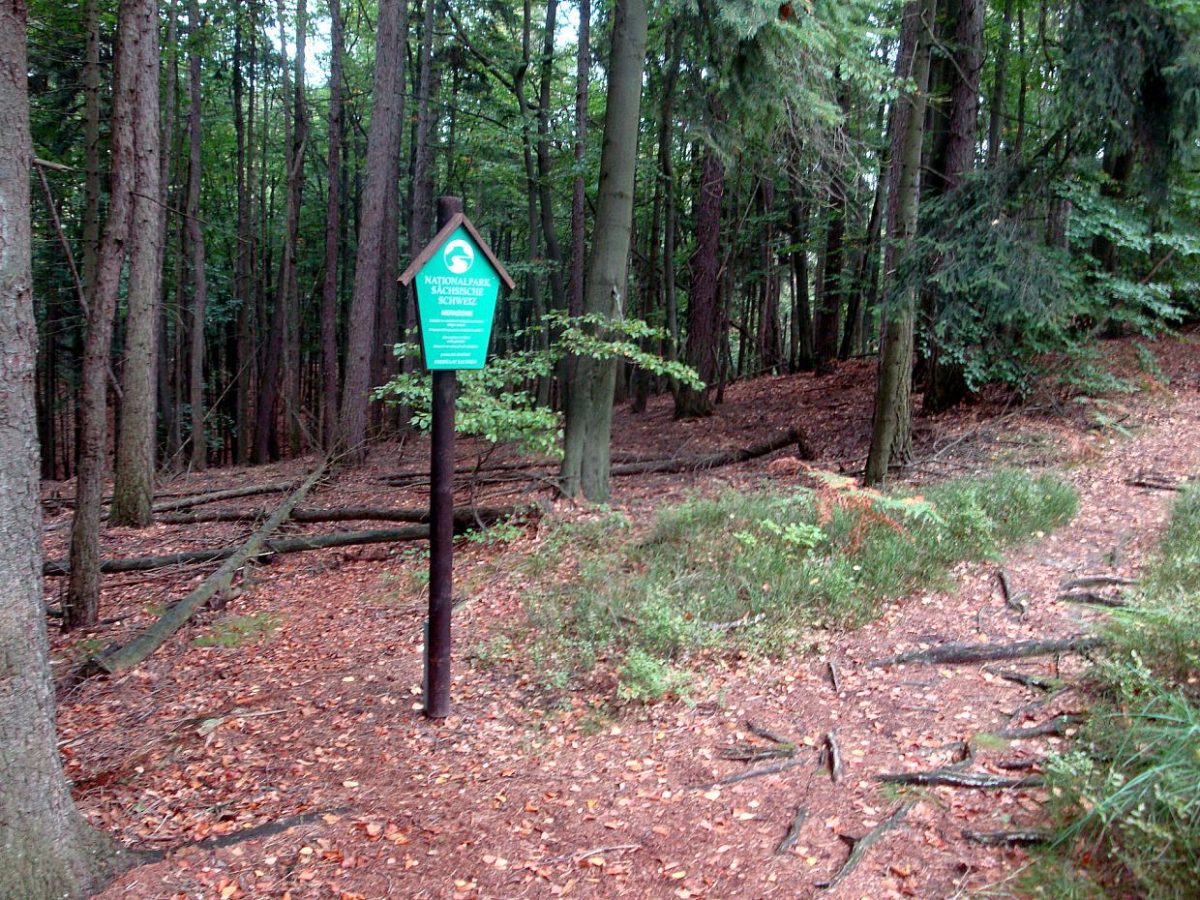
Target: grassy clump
{"x":1129,"y":799}
{"x":765,"y":570}
{"x":237,"y":631}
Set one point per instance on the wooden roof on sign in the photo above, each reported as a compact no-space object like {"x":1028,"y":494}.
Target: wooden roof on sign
{"x":457,"y":220}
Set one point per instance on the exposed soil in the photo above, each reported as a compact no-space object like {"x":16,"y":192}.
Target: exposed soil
{"x":296,"y":761}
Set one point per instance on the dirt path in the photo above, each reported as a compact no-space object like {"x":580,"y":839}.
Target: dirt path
{"x":520,"y":795}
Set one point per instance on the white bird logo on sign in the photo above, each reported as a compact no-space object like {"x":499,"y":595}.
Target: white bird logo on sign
{"x":458,"y":256}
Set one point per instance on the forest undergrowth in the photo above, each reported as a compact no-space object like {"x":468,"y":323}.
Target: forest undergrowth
{"x":771,"y":570}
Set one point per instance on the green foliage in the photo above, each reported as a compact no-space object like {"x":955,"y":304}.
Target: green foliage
{"x":766,"y":570}
{"x":1132,"y":789}
{"x":498,"y":402}
{"x":642,"y":678}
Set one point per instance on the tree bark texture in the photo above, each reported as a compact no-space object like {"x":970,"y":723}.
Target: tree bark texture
{"x":383,"y":139}
{"x":195,"y":237}
{"x":136,"y":22}
{"x":133,"y":491}
{"x":47,"y":848}
{"x":333,"y":230}
{"x":586,"y":459}
{"x":946,"y":383}
{"x":891,"y":434}
{"x":702,"y":350}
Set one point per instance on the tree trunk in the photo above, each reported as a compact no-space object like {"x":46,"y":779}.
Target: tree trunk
{"x":891,"y":434}
{"x":996,"y":112}
{"x":666,"y":166}
{"x":545,"y":197}
{"x":704,"y":306}
{"x":333,"y":229}
{"x":770,"y":336}
{"x":422,"y":184}
{"x":384,"y":138}
{"x":91,"y":145}
{"x":195,"y":236}
{"x":137,"y":21}
{"x":586,"y":461}
{"x":802,"y":331}
{"x":583,"y":64}
{"x":48,"y":849}
{"x":946,"y":384}
{"x":292,"y":402}
{"x":133,"y":493}
{"x":244,"y":255}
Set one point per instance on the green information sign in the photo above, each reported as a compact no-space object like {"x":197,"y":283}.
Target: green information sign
{"x":457,"y":280}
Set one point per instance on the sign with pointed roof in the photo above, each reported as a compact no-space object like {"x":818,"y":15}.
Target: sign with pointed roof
{"x":458,"y":279}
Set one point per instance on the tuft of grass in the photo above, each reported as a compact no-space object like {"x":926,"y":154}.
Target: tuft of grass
{"x":764,"y":570}
{"x":237,"y":631}
{"x":1128,"y":799}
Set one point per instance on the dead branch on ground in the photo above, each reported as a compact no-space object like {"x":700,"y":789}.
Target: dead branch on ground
{"x":975,"y":653}
{"x":793,"y":832}
{"x":124,"y":657}
{"x":955,"y":778}
{"x":860,"y":845}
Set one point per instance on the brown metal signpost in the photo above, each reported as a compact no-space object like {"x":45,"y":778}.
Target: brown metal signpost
{"x":457,"y":279}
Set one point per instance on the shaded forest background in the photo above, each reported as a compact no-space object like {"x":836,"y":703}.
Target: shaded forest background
{"x":225,"y":194}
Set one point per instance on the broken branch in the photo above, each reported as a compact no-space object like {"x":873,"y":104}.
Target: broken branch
{"x":974,"y":653}
{"x":129,"y":655}
{"x":793,"y":832}
{"x":270,"y":547}
{"x":862,"y":844}
{"x":952,"y":778}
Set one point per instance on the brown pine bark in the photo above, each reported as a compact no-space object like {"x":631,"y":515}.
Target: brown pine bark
{"x":91,"y":144}
{"x":333,"y":229}
{"x":195,"y":236}
{"x":891,"y":433}
{"x":244,"y":255}
{"x":946,"y":383}
{"x":135,"y":23}
{"x":295,"y":188}
{"x":133,"y":491}
{"x":704,"y":306}
{"x":544,"y":166}
{"x":47,"y":848}
{"x":383,"y":139}
{"x":578,"y":186}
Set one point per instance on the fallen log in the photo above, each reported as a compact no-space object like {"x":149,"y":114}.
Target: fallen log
{"x":118,"y":659}
{"x":794,"y":435}
{"x":1156,"y":484}
{"x":1095,"y":581}
{"x":974,"y":653}
{"x":187,"y":501}
{"x":755,"y":773}
{"x":1055,"y":727}
{"x":954,"y":778}
{"x":859,"y":846}
{"x":1026,"y":680}
{"x":464,"y":517}
{"x":250,"y":490}
{"x":1091,"y":598}
{"x":269,"y":547}
{"x":671,"y":466}
{"x":1006,"y":838}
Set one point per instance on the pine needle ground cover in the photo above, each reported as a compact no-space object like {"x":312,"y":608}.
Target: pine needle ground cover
{"x":1128,"y":799}
{"x":770,"y":571}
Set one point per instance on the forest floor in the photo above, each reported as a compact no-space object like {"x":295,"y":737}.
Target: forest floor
{"x":277,"y":747}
